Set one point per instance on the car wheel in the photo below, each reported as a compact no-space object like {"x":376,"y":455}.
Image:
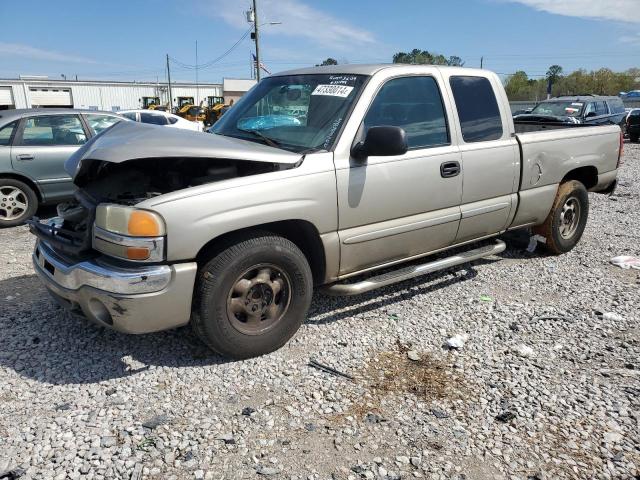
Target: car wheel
{"x":252,"y":297}
{"x":18,"y":202}
{"x":567,"y":220}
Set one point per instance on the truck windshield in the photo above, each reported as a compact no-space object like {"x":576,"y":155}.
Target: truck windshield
{"x":559,"y":109}
{"x":293,"y":112}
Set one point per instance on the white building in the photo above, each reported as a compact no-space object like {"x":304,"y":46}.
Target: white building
{"x":35,"y":92}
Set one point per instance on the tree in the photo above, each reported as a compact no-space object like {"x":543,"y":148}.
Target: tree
{"x":424,"y":57}
{"x":554,"y":73}
{"x":328,"y":61}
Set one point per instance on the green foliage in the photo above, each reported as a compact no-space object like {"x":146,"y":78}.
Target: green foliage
{"x":599,"y":82}
{"x":328,"y":61}
{"x":424,"y":57}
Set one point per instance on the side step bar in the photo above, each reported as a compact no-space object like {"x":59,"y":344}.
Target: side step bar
{"x":343,"y":289}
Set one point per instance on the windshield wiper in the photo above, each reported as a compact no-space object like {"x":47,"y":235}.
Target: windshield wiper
{"x":268,"y":140}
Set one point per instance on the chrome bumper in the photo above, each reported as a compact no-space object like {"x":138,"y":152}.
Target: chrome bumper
{"x":142,"y":299}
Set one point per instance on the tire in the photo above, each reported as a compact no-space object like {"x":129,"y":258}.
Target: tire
{"x":567,"y":220}
{"x":18,"y":202}
{"x":252,"y":297}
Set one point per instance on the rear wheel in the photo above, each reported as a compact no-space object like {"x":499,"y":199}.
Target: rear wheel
{"x":252,"y":297}
{"x":18,"y":202}
{"x":567,"y":219}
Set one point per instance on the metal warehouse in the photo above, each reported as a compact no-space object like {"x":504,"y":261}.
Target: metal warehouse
{"x":41,"y":92}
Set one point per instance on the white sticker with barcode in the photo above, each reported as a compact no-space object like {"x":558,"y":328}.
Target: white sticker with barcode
{"x":333,"y":90}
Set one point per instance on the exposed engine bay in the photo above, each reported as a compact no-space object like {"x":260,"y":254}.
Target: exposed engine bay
{"x":129,"y":183}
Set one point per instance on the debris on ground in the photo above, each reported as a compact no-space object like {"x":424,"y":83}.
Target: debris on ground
{"x":505,"y":417}
{"x":325,"y":368}
{"x":524,"y":351}
{"x":612,"y":316}
{"x":626,"y":262}
{"x":457,"y":341}
{"x":485,"y":298}
{"x":413,"y":355}
{"x":533,"y":242}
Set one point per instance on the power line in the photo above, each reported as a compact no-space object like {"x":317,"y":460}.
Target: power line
{"x":215,"y":60}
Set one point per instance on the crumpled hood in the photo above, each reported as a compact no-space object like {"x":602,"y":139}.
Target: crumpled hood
{"x":132,"y":140}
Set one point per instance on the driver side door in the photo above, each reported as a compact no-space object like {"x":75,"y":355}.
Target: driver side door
{"x":397,"y":207}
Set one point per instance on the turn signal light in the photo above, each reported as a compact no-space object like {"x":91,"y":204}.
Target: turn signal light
{"x":143,"y":224}
{"x":137,"y":253}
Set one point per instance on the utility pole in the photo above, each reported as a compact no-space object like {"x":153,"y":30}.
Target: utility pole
{"x":169,"y":84}
{"x":255,"y":38}
{"x":197,"y":86}
{"x":481,"y":61}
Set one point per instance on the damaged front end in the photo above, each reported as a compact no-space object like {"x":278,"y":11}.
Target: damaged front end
{"x":131,"y":163}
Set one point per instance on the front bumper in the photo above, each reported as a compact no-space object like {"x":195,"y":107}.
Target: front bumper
{"x":142,"y":299}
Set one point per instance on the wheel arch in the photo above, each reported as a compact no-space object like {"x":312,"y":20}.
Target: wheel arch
{"x":588,"y":176}
{"x":302,"y":233}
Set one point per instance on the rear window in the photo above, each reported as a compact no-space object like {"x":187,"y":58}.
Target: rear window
{"x":477,"y":109}
{"x":152,"y":118}
{"x":616,"y":106}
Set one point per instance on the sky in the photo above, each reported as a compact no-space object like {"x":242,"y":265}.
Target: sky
{"x":128,"y":39}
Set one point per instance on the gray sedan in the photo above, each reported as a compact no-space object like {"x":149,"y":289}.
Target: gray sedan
{"x":34,"y":145}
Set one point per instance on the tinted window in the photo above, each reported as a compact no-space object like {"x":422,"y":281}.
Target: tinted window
{"x":98,"y":123}
{"x":601,"y":108}
{"x":53,"y":130}
{"x":153,"y":118}
{"x":172,"y":120}
{"x":635,"y":113}
{"x":477,"y":109}
{"x":616,"y":106}
{"x":6,"y":132}
{"x":130,"y":115}
{"x":415,"y":104}
{"x":591,"y":107}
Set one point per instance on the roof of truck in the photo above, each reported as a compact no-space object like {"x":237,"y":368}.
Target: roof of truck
{"x":581,"y":98}
{"x":359,"y":69}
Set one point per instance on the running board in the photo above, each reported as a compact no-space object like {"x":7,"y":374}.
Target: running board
{"x":344,"y":289}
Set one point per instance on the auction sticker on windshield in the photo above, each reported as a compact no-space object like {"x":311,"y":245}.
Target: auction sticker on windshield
{"x":333,"y":90}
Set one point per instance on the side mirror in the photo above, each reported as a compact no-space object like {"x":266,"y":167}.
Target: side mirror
{"x":591,"y":114}
{"x":381,"y":142}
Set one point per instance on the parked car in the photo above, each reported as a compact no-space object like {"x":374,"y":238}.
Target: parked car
{"x":589,"y":109}
{"x":232,"y":231}
{"x":34,"y":145}
{"x":156,"y":117}
{"x":633,"y":125}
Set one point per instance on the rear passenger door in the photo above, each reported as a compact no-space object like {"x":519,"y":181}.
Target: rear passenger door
{"x":393,"y":208}
{"x":490,"y":157}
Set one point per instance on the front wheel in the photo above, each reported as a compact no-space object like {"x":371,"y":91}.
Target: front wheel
{"x":567,"y":219}
{"x":252,"y":297}
{"x":18,"y":202}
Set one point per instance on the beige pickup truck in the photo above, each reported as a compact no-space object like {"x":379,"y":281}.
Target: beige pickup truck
{"x":317,"y":177}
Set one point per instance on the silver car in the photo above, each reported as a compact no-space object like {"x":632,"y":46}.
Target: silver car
{"x":34,"y":145}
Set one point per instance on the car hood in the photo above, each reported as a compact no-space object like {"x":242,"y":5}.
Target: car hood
{"x":132,"y":141}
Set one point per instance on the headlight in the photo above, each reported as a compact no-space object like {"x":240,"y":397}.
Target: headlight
{"x":129,"y":233}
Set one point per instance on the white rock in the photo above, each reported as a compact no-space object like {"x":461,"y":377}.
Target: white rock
{"x":457,"y":341}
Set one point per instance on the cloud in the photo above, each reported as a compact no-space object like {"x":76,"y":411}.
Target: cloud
{"x":298,"y":20}
{"x":633,"y":39}
{"x":619,"y":10}
{"x":26,"y":51}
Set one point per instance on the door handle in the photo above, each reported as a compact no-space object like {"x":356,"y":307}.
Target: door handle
{"x":26,"y":156}
{"x":449,"y":169}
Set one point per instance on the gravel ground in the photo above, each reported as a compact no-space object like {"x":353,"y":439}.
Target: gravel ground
{"x":547,"y":385}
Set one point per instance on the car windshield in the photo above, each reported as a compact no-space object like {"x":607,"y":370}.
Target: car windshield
{"x":559,"y":109}
{"x":294,"y":112}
